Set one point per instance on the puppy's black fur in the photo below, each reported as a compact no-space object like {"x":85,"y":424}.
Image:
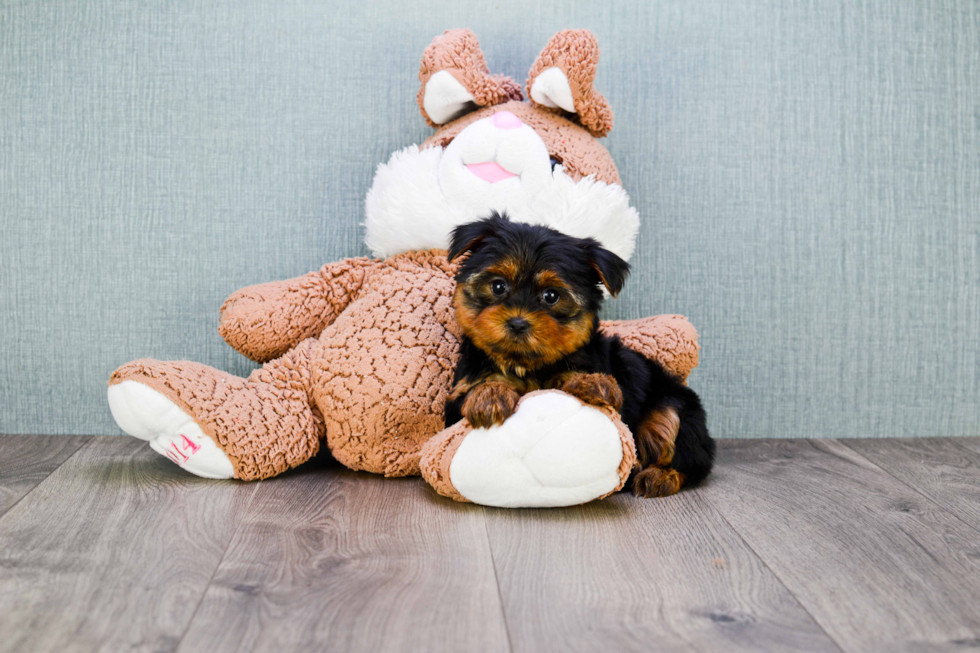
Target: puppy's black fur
{"x":527,"y":299}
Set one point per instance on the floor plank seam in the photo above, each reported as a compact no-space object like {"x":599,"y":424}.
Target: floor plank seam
{"x":711,"y":506}
{"x":496,"y":580}
{"x":915,"y":489}
{"x":44,"y":480}
{"x":214,"y":572}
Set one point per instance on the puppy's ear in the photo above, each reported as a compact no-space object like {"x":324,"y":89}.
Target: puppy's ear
{"x":468,"y":237}
{"x":612,"y":269}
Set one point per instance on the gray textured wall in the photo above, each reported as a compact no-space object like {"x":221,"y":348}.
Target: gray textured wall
{"x":807,"y":173}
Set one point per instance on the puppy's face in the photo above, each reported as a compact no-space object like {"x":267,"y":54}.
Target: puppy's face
{"x":527,"y":295}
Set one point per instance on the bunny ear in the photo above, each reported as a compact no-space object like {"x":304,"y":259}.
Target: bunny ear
{"x":455,"y":79}
{"x":562,"y":77}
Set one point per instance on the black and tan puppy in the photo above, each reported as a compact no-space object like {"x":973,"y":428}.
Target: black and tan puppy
{"x":527,"y":299}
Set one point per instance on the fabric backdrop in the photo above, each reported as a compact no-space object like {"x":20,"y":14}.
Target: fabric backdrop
{"x":807,"y":176}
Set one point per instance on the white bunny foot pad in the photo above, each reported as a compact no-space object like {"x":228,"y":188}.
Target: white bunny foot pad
{"x":554,"y":451}
{"x":144,"y":413}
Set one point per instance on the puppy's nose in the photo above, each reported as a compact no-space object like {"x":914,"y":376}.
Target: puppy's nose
{"x":518,"y":325}
{"x":505,"y":120}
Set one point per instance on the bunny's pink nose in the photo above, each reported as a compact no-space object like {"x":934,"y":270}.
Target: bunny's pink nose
{"x":506,"y":120}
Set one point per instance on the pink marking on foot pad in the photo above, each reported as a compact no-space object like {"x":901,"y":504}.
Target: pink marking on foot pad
{"x":190,"y":445}
{"x":178,"y":455}
{"x":491,"y":171}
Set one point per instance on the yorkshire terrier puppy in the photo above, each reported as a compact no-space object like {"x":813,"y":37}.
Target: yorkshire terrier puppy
{"x":527,"y":299}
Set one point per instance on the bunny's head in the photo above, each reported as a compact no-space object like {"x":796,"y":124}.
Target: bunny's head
{"x":540,"y":161}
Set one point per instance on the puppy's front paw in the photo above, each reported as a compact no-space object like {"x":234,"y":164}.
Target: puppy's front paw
{"x":595,"y":389}
{"x":657,"y":482}
{"x":490,"y":403}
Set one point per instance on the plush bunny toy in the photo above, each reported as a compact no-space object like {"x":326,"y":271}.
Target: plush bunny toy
{"x":361,"y":353}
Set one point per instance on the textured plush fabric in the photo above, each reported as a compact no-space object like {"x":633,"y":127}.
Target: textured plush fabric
{"x":265,"y":424}
{"x":457,"y":51}
{"x":807,"y":176}
{"x":436,"y":458}
{"x":265,"y":320}
{"x":670,"y":340}
{"x":374,"y":382}
{"x":577,"y":52}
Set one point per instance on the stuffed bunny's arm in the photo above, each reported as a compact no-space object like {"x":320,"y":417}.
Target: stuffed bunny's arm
{"x":266,"y":320}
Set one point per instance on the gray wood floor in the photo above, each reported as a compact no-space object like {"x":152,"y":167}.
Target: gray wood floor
{"x":857,"y":545}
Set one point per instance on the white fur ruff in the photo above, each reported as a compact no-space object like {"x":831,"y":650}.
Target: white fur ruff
{"x":407,"y":209}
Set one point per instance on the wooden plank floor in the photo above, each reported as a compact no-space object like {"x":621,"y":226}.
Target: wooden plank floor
{"x":857,"y":545}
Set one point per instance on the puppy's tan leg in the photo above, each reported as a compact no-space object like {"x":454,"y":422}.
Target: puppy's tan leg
{"x":594,"y":389}
{"x":490,"y":403}
{"x":655,"y":438}
{"x":654,"y":451}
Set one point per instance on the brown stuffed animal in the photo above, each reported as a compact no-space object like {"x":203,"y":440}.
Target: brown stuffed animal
{"x":361,"y":353}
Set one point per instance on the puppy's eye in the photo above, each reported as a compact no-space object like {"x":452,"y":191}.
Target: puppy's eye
{"x":498,"y":287}
{"x":550,"y":296}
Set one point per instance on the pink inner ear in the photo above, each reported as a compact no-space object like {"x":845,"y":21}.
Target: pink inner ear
{"x":491,"y":171}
